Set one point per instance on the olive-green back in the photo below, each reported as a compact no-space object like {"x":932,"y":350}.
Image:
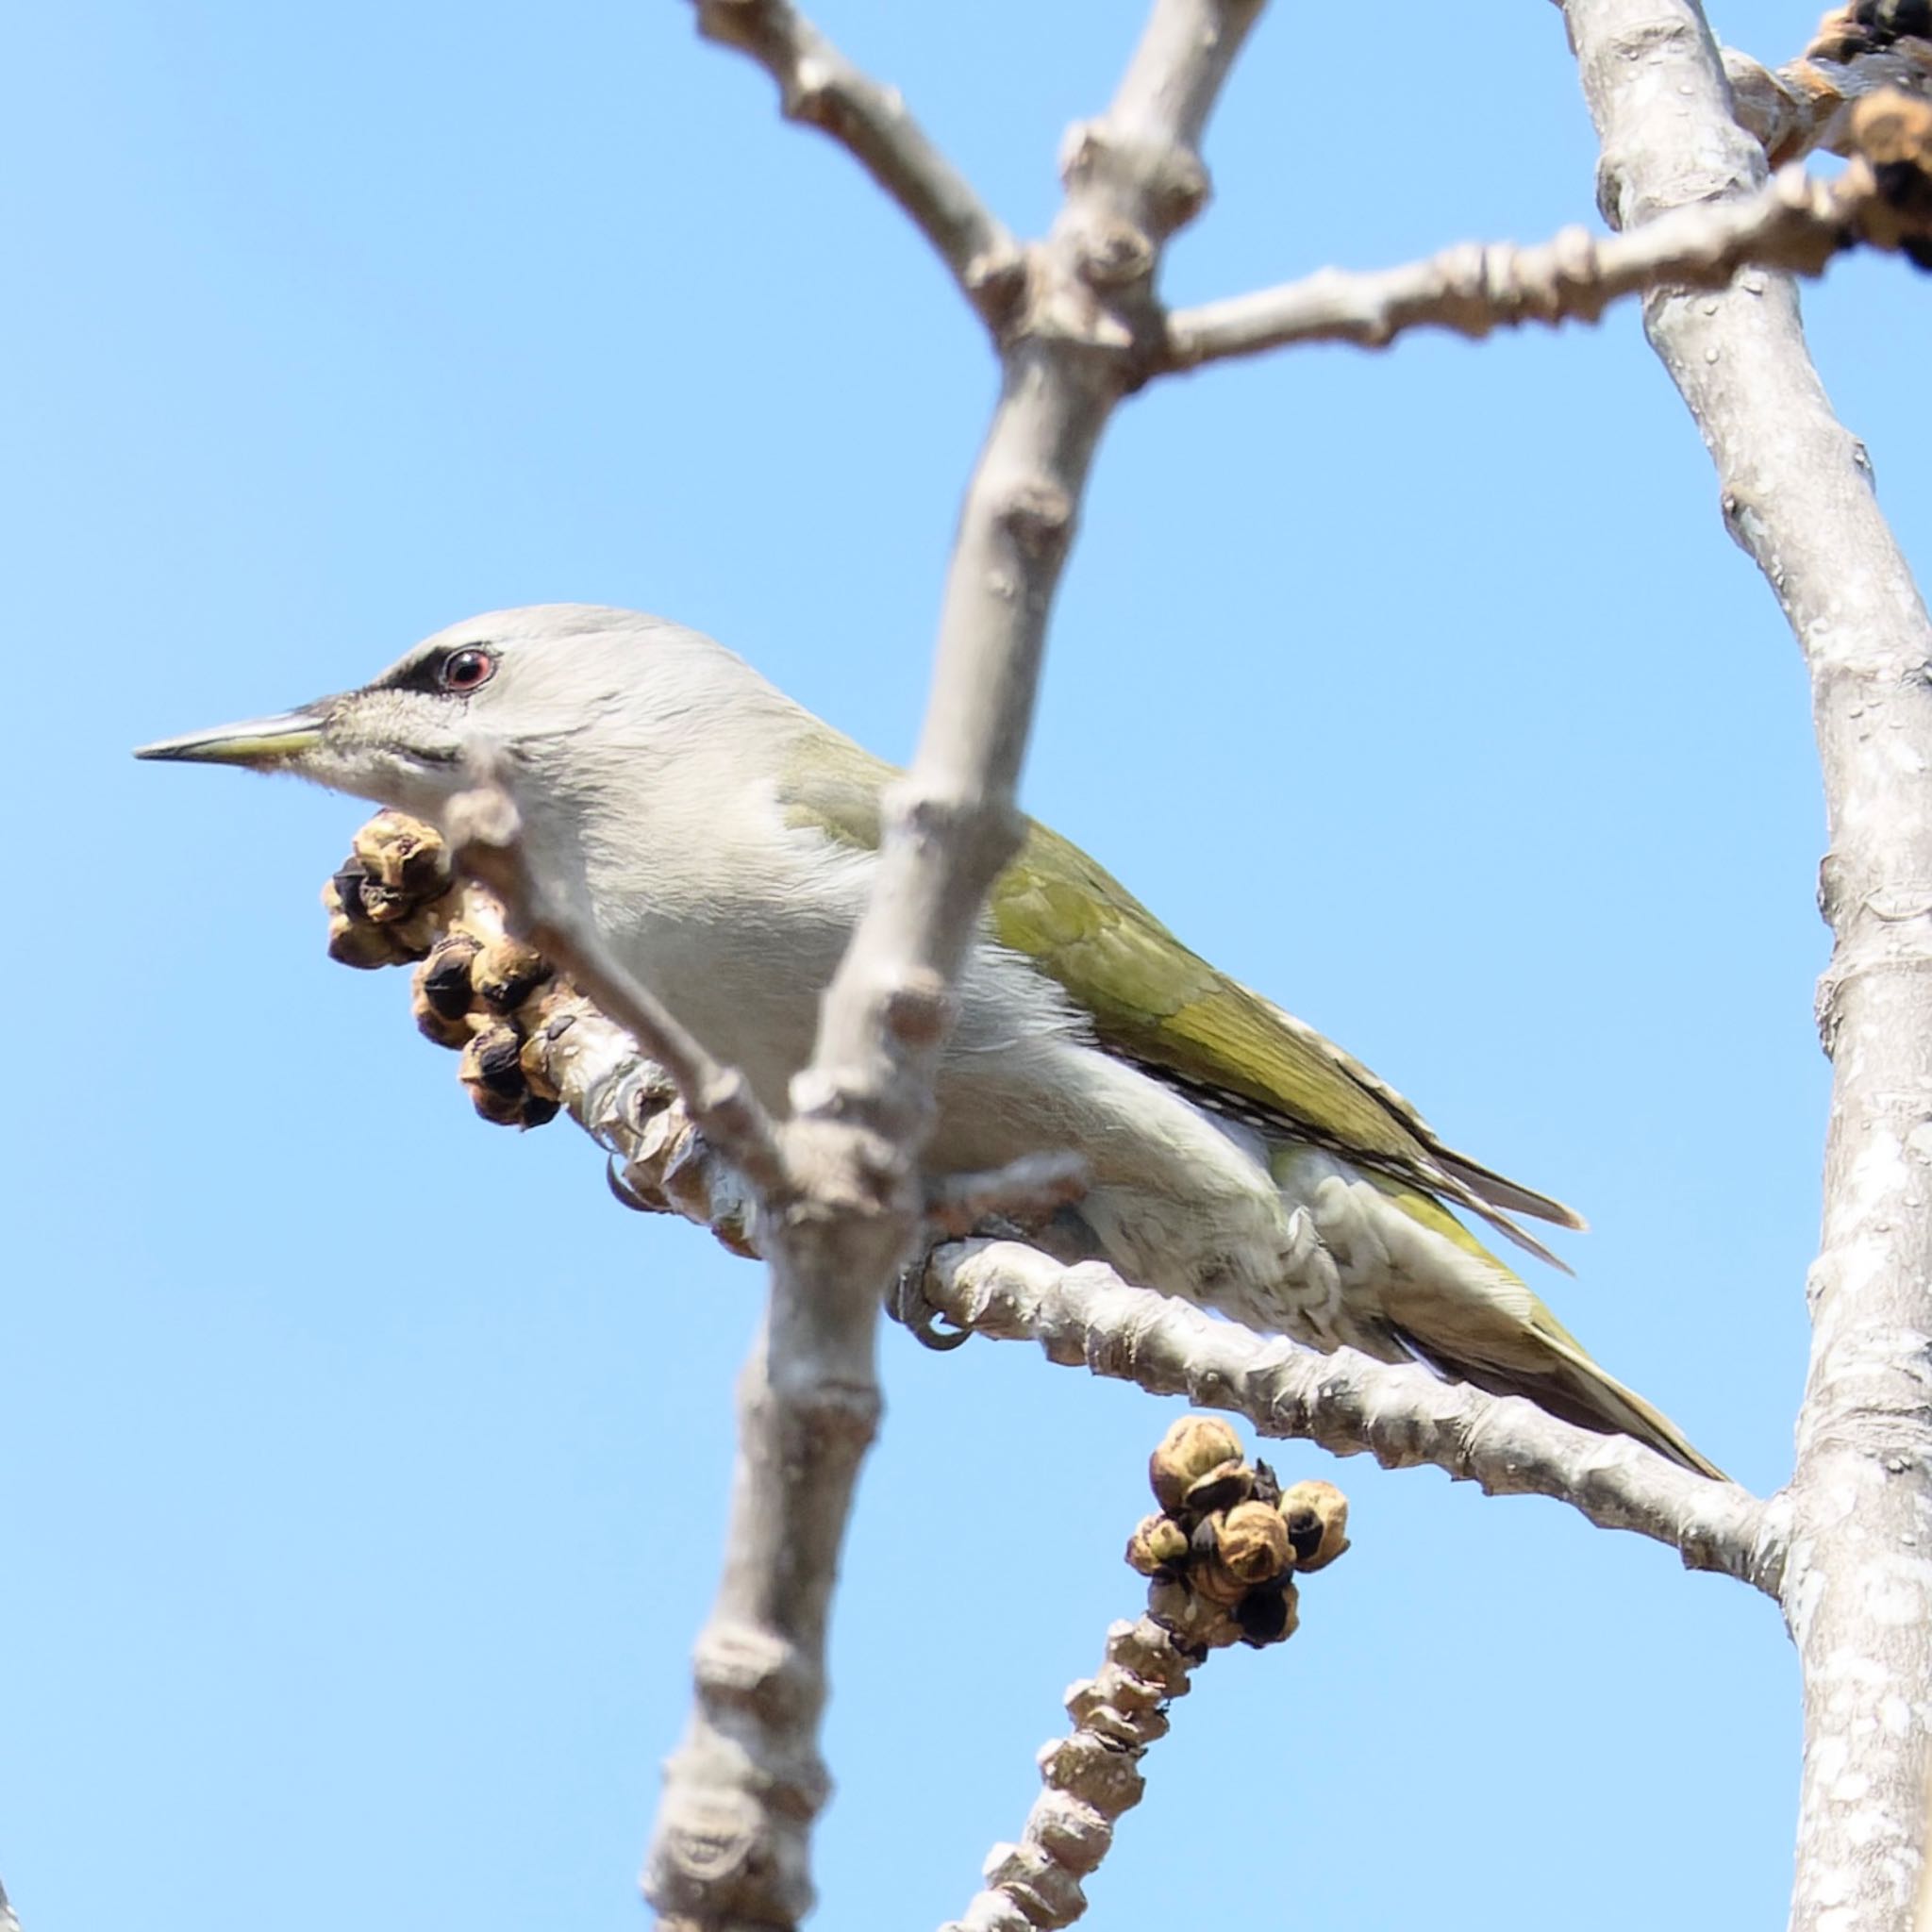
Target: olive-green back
{"x":1152,"y":1000}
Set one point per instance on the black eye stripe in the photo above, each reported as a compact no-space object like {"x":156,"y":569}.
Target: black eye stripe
{"x":427,"y":674}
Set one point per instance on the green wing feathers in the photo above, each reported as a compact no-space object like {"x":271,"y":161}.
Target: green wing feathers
{"x":1157,"y":1003}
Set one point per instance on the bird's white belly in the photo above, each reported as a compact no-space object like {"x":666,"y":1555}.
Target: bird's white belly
{"x":750,"y":995}
{"x":1179,"y":1201}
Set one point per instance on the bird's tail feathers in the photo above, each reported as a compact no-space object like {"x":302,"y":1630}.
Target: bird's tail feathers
{"x":1568,"y":1385}
{"x":1423,"y":1207}
{"x":1508,"y":1197}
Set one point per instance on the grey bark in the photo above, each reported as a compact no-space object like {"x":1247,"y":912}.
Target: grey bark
{"x":1797,"y":494}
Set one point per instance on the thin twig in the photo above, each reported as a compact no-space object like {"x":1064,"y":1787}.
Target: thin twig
{"x":1797,"y":495}
{"x":820,"y":87}
{"x":1092,"y":1777}
{"x":1793,"y":222}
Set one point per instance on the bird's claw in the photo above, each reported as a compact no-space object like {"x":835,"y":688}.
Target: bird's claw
{"x":621,"y":1189}
{"x":906,"y":1304}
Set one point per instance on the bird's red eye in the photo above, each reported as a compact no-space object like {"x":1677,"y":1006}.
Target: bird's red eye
{"x":463,"y":670}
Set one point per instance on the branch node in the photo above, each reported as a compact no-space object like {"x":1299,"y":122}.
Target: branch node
{"x":1170,"y":176}
{"x":996,"y":283}
{"x":758,"y":1671}
{"x":806,"y":94}
{"x":1115,"y":255}
{"x":1037,"y":515}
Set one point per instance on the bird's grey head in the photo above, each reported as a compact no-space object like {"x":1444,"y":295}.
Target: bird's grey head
{"x":487,"y":698}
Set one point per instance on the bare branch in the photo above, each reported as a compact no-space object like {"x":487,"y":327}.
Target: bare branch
{"x":1091,"y":1777}
{"x":1797,"y":495}
{"x":1223,"y":1554}
{"x":819,"y":87}
{"x":7,"y":1922}
{"x":1088,"y":1317}
{"x":731,"y":1845}
{"x":1792,"y":223}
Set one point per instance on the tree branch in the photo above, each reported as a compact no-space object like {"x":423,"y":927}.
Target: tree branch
{"x":731,"y":1843}
{"x":819,"y":87}
{"x":1793,"y":222}
{"x":1091,"y":1778}
{"x":1088,"y":1317}
{"x":1797,"y":495}
{"x":1223,"y":1554}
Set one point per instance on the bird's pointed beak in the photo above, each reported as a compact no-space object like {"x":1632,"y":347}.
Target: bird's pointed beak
{"x":263,"y":744}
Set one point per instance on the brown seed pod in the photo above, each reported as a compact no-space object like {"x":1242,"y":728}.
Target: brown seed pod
{"x":1895,"y":133}
{"x":491,"y":1072}
{"x":1252,"y":1541}
{"x":1193,"y":1446}
{"x":442,"y":980}
{"x":1269,"y":1614}
{"x":412,"y":938}
{"x":1839,"y":37}
{"x":1157,"y":1547}
{"x":351,"y":942}
{"x":1209,"y":1578}
{"x":535,"y":1061}
{"x":498,"y":1110}
{"x":443,"y":1028}
{"x":343,"y":892}
{"x":507,"y":971}
{"x":1222,"y":1487}
{"x":1316,"y":1517}
{"x":347,"y":898}
{"x":382,"y":904}
{"x":404,"y":856}
{"x":1198,"y":1625}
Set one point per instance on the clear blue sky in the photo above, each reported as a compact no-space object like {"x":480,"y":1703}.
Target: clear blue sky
{"x":362,"y":1466}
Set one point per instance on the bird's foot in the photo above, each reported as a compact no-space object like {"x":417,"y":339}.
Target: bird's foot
{"x":906,"y":1304}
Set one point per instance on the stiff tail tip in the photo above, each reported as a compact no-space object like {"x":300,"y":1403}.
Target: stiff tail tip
{"x":1568,"y":1385}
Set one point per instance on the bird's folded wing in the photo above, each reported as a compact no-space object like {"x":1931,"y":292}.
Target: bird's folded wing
{"x":1155,"y":1001}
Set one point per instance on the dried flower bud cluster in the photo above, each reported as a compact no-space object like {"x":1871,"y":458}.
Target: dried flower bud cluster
{"x":380,"y":900}
{"x":1869,"y":26}
{"x":531,"y":1044}
{"x":476,"y":990}
{"x":498,"y":1002}
{"x":1220,"y":1553}
{"x":1892,"y":139}
{"x":1224,"y":1551}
